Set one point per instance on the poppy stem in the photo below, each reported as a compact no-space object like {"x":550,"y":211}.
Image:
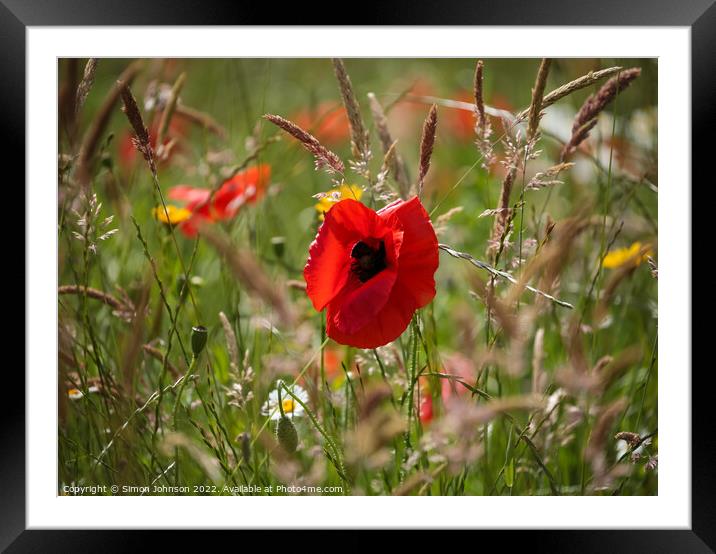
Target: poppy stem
{"x":295,"y":380}
{"x":280,"y":400}
{"x":324,"y":383}
{"x":335,"y":453}
{"x":412,"y":379}
{"x":184,"y":380}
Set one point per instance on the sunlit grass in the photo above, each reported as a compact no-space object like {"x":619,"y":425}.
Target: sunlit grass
{"x":533,"y":370}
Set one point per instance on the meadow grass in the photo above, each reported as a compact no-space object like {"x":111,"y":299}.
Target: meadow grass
{"x":534,"y":369}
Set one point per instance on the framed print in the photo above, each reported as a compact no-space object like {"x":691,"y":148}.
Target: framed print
{"x":418,"y":275}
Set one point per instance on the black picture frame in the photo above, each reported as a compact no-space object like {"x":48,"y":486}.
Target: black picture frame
{"x":699,"y":15}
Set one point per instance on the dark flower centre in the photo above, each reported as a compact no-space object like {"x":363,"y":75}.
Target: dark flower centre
{"x":367,"y":261}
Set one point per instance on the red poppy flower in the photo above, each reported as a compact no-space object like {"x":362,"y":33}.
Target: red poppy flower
{"x":372,"y":270}
{"x":332,"y":359}
{"x":425,"y":406}
{"x":328,"y":122}
{"x":128,"y":152}
{"x":245,"y":187}
{"x":461,"y":123}
{"x":461,"y":366}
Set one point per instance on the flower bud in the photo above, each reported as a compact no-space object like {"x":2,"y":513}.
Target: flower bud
{"x":279,"y":246}
{"x":198,"y":339}
{"x":287,"y":435}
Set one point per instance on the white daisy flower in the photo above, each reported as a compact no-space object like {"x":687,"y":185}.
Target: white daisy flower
{"x":76,"y":394}
{"x":290,"y":407}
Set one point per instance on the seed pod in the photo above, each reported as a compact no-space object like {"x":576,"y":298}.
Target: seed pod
{"x":279,"y":246}
{"x":287,"y":435}
{"x":198,"y":339}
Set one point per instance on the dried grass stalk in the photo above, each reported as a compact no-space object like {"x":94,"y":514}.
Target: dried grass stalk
{"x":616,"y":366}
{"x":324,"y":157}
{"x":249,"y":272}
{"x":595,"y":452}
{"x":85,"y":85}
{"x":535,"y":111}
{"x":483,"y":129}
{"x":547,"y":177}
{"x":168,"y":112}
{"x":297,"y":285}
{"x":230,"y":341}
{"x":158,"y":355}
{"x":538,"y":363}
{"x":503,"y":212}
{"x":631,"y":438}
{"x":504,"y":317}
{"x":66,"y":99}
{"x":91,"y":139}
{"x":551,"y":258}
{"x":568,"y":88}
{"x":600,"y":432}
{"x":140,"y":140}
{"x":133,"y":341}
{"x":427,"y":142}
{"x":397,"y":166}
{"x":201,"y":119}
{"x":480,"y":118}
{"x":119,"y":308}
{"x":359,"y":136}
{"x":501,"y":274}
{"x":497,"y":406}
{"x":585,"y":119}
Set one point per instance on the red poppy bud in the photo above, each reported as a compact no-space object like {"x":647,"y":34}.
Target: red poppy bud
{"x":372,"y":270}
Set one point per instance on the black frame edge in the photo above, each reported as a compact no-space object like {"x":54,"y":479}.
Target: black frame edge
{"x":702,"y":536}
{"x":385,"y":12}
{"x":12,"y":433}
{"x":703,"y":114}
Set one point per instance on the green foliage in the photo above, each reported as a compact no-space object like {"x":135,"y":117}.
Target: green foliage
{"x":159,"y":403}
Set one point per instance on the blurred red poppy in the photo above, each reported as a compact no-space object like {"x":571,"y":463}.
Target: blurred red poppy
{"x":460,"y":122}
{"x":245,"y":187}
{"x":425,"y":406}
{"x":461,"y":367}
{"x":128,"y":152}
{"x":372,"y":270}
{"x":332,"y":359}
{"x":328,"y":122}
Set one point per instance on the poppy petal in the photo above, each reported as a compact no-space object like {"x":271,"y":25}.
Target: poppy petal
{"x":418,"y":257}
{"x":367,"y":311}
{"x":258,"y":175}
{"x":329,"y":257}
{"x":190,"y":195}
{"x":328,"y":267}
{"x":190,"y":228}
{"x":388,"y":324}
{"x":357,"y":220}
{"x":358,"y":305}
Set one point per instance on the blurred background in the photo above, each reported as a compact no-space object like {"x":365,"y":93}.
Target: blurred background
{"x":217,"y":128}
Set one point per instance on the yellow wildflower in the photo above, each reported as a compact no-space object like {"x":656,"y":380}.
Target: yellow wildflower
{"x":635,"y":255}
{"x":337,"y":194}
{"x":176,"y":214}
